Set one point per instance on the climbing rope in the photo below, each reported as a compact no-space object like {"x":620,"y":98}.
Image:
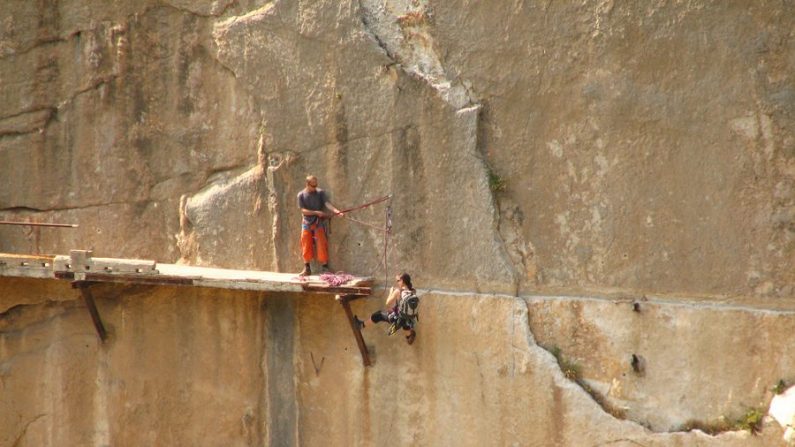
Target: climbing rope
{"x":336,"y":279}
{"x":387,"y":233}
{"x":386,"y":229}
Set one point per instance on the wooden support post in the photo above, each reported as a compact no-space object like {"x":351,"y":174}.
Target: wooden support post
{"x":344,"y":300}
{"x":92,"y":307}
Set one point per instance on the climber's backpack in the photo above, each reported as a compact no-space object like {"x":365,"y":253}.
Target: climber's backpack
{"x":407,"y":313}
{"x":408,"y":309}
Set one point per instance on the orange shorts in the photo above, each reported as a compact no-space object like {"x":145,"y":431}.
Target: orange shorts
{"x":314,"y":235}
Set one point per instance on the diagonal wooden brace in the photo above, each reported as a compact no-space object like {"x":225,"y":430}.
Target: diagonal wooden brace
{"x":357,"y":332}
{"x":92,"y":307}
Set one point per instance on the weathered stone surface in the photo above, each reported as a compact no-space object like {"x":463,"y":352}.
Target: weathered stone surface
{"x":641,"y":153}
{"x":141,"y":115}
{"x":190,"y":366}
{"x":341,"y":110}
{"x":682,"y":347}
{"x":152,"y":383}
{"x":582,"y":149}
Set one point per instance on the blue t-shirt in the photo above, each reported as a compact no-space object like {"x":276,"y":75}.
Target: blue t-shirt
{"x":313,"y":201}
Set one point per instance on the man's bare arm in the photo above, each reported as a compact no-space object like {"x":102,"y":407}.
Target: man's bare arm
{"x":334,"y":209}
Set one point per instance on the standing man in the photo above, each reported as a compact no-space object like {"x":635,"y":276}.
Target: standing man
{"x":314,"y":202}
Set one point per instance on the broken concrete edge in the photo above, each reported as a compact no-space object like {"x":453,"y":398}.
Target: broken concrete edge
{"x":80,"y":265}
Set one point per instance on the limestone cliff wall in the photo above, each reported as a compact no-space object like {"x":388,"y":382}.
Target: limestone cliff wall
{"x":185,"y":366}
{"x":566,"y":158}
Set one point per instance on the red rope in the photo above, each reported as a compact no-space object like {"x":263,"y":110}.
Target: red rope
{"x":336,"y":279}
{"x":387,"y":230}
{"x":379,"y":200}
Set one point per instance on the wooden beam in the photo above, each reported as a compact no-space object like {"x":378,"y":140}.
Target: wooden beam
{"x":199,"y":281}
{"x":357,"y":333}
{"x":92,"y":308}
{"x":347,"y":291}
{"x":155,"y":280}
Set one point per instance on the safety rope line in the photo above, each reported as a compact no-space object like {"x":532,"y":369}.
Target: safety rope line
{"x":387,"y":233}
{"x":376,"y":201}
{"x":387,"y":228}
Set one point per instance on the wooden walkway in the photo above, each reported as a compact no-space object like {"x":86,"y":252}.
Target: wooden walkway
{"x":83,"y":270}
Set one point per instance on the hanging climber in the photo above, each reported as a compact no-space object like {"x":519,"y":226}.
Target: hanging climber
{"x":401,"y":309}
{"x":314,"y":204}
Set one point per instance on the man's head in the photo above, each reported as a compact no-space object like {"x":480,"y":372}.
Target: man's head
{"x":311,"y":182}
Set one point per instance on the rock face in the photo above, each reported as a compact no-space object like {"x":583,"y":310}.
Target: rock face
{"x":190,"y":366}
{"x":550,"y":163}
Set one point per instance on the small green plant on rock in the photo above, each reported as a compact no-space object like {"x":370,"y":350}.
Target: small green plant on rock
{"x":780,"y":387}
{"x":751,"y":421}
{"x":496,"y":183}
{"x":572,"y":371}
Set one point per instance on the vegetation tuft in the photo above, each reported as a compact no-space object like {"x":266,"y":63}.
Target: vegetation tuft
{"x":496,"y":183}
{"x":751,"y":421}
{"x":573,"y":372}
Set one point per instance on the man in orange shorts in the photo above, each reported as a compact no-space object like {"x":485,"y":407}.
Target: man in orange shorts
{"x":314,"y":202}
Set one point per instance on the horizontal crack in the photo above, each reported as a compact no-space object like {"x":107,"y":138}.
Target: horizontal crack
{"x":37,"y":44}
{"x":25,"y":112}
{"x":80,"y":207}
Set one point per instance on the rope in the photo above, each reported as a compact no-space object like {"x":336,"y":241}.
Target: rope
{"x":336,"y":279}
{"x":39,"y":224}
{"x":387,"y":233}
{"x":378,"y":200}
{"x":387,"y":230}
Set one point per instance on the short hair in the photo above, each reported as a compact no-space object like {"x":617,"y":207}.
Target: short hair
{"x":309,"y":178}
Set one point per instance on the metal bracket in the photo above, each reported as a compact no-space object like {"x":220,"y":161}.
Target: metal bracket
{"x":357,"y":333}
{"x":92,"y":307}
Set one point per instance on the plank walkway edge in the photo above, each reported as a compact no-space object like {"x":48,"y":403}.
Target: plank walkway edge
{"x":80,"y":266}
{"x":83,"y":270}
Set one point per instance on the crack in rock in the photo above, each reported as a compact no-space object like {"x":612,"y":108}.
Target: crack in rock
{"x":26,"y":122}
{"x":202,"y":9}
{"x":403,"y":32}
{"x":18,"y":440}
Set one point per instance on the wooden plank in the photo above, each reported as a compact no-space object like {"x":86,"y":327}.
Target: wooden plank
{"x":340,"y":290}
{"x":357,"y":333}
{"x":26,"y":266}
{"x":92,"y":308}
{"x":261,"y":286}
{"x":154,"y":280}
{"x":112,"y":265}
{"x":13,"y":256}
{"x":80,"y":265}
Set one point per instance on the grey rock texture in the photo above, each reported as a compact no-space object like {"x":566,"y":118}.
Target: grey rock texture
{"x":550,"y":163}
{"x":187,"y":366}
{"x":642,"y":155}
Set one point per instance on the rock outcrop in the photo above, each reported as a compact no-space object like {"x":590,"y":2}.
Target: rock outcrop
{"x":550,"y":164}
